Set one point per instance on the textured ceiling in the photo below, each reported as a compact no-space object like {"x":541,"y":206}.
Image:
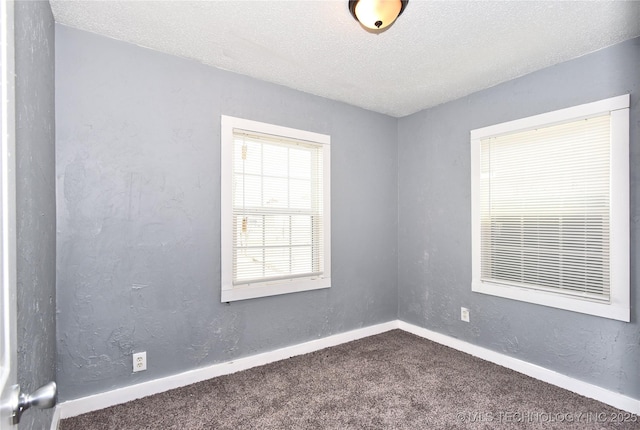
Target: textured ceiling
{"x":435,"y":52}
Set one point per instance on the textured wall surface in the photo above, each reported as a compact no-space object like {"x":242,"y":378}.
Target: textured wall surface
{"x":138,"y":195}
{"x":434,"y":232}
{"x":36,"y":210}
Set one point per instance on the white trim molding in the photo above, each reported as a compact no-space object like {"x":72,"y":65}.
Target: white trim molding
{"x":320,"y":208}
{"x":94,"y":402}
{"x":55,"y":420}
{"x":611,"y":297}
{"x":552,"y":377}
{"x":98,"y":401}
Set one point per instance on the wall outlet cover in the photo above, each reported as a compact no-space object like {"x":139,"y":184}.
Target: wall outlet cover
{"x":140,"y":361}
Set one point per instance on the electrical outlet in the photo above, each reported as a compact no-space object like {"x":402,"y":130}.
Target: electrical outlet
{"x":464,"y":314}
{"x":140,"y":361}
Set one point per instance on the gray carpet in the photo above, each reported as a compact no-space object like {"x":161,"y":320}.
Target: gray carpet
{"x":394,"y":380}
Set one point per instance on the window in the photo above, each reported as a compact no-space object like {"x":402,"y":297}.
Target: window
{"x":276,"y":235}
{"x":550,"y":209}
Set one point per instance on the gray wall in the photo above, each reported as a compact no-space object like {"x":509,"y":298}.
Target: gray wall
{"x":36,"y":210}
{"x":138,"y":195}
{"x":434,"y":233}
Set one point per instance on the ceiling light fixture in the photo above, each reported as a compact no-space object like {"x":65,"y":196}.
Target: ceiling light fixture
{"x":376,"y":14}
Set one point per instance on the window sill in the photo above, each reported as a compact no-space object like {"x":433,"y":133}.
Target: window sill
{"x":612,"y":310}
{"x":232,"y":294}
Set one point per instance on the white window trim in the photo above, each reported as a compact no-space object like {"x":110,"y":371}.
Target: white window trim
{"x":619,"y":306}
{"x":230,"y":293}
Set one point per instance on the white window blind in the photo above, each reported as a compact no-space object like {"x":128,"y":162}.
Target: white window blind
{"x":277,"y":204}
{"x":545,"y":208}
{"x":550,"y":209}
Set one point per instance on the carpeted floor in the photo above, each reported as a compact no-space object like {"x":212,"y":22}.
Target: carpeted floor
{"x":394,"y":380}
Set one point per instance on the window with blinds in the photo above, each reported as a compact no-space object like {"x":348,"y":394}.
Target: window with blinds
{"x":277,"y":208}
{"x":276,"y":217}
{"x":545,"y":208}
{"x":545,"y":225}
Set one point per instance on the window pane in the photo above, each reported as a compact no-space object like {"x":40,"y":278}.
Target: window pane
{"x":302,"y":260}
{"x":275,"y":161}
{"x":249,"y":230}
{"x":277,"y":200}
{"x":247,"y":191}
{"x":277,"y":262}
{"x":249,"y":160}
{"x":300,"y":163}
{"x":276,"y":193}
{"x":277,"y":230}
{"x":249,"y":264}
{"x":300,"y":194}
{"x":301,"y":230}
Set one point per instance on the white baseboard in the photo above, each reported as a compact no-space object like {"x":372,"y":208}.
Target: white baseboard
{"x":55,"y":421}
{"x":94,"y":402}
{"x":122,"y":395}
{"x":603,"y":395}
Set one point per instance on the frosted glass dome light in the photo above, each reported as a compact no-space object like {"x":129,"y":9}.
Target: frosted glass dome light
{"x":376,"y":14}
